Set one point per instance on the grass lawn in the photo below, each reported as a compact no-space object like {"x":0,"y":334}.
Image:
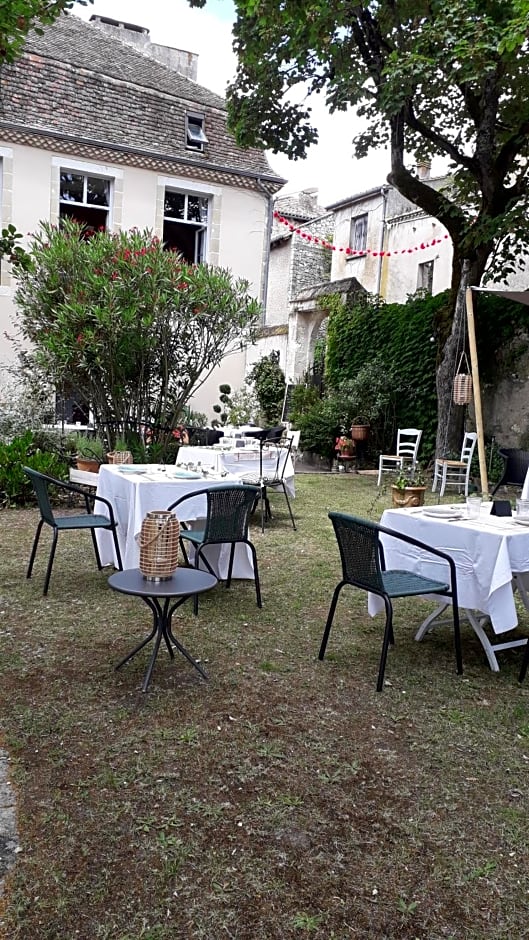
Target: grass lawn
{"x":282,"y":799}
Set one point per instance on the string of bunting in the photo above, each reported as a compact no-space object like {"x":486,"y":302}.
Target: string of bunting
{"x":354,"y":251}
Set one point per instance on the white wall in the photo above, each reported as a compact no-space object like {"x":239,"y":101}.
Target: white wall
{"x":236,"y":237}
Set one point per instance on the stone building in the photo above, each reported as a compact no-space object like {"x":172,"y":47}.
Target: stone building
{"x":99,"y":123}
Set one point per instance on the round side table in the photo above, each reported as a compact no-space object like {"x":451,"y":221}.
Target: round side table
{"x":160,"y":598}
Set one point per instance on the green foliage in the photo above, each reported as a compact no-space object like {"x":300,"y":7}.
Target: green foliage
{"x":429,"y":80}
{"x":243,"y":407}
{"x":93,"y":448}
{"x":320,"y":425}
{"x":399,"y":339}
{"x":304,"y":396}
{"x":268,"y":380}
{"x":15,"y":486}
{"x":369,"y":395}
{"x":135,"y":327}
{"x":17,"y":17}
{"x":15,"y":253}
{"x":222,"y":410}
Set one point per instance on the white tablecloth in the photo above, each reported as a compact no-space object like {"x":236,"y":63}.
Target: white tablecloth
{"x":525,"y":488}
{"x":487,"y":553}
{"x":133,"y":495}
{"x":239,"y":461}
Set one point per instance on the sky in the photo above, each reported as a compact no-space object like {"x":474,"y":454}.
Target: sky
{"x":329,"y":166}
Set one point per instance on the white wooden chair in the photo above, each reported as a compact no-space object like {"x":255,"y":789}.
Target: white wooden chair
{"x":455,"y":472}
{"x":293,"y":437}
{"x":408,"y":441}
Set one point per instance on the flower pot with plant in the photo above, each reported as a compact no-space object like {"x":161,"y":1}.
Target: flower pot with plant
{"x":121,"y":452}
{"x":89,"y":453}
{"x":408,"y":488}
{"x":345,"y":446}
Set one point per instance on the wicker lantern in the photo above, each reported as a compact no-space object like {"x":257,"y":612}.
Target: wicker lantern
{"x":120,"y":456}
{"x":158,"y":541}
{"x":462,"y":389}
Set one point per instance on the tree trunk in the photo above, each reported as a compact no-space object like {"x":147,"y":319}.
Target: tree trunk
{"x":450,"y":417}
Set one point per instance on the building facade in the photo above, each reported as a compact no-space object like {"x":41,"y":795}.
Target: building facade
{"x":100,"y":124}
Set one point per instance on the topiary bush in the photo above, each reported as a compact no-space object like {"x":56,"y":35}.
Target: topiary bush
{"x":269,"y":382}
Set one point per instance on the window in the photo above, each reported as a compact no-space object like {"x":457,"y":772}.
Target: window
{"x":185,"y":223}
{"x":195,"y":133}
{"x":358,"y":238}
{"x":425,"y":276}
{"x":85,"y":199}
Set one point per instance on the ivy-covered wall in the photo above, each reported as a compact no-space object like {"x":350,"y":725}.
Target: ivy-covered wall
{"x":403,"y":338}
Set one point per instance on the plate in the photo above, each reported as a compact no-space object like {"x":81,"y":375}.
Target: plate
{"x":445,"y":514}
{"x":130,"y":468}
{"x":519,"y":521}
{"x":183,"y":475}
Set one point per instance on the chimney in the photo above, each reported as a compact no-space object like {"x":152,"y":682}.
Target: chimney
{"x":423,"y":169}
{"x":185,"y":63}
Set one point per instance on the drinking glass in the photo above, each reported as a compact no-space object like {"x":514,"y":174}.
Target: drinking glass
{"x":473,"y":507}
{"x":522,"y":508}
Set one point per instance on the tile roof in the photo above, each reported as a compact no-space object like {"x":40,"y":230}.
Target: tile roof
{"x":76,"y":80}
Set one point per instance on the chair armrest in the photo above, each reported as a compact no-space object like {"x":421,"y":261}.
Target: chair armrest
{"x":73,"y":488}
{"x":426,"y":548}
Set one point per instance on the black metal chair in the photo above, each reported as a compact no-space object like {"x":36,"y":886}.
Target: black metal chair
{"x":90,"y":520}
{"x":363,"y":566}
{"x":515,"y":467}
{"x":271,"y":479}
{"x":227,"y":519}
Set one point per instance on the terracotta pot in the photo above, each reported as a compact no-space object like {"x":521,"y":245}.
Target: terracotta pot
{"x":409,"y":496}
{"x":85,"y":463}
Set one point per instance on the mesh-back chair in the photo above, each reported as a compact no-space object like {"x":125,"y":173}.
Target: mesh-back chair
{"x":271,"y":478}
{"x":455,"y":472}
{"x":408,"y":441}
{"x":363,"y":566}
{"x":89,"y":520}
{"x":516,"y":465}
{"x":227,"y":519}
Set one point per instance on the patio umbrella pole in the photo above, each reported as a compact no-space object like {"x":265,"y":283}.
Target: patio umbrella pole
{"x":477,"y":392}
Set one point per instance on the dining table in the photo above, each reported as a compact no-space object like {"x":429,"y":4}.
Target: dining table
{"x":136,"y":489}
{"x":238,"y":462}
{"x":491,"y":554}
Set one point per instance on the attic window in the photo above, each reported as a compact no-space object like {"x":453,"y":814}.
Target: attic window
{"x":195,"y":134}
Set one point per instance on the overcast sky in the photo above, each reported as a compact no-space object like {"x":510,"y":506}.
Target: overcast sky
{"x":329,"y":166}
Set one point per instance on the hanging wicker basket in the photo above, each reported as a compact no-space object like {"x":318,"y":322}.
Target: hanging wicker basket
{"x":359,"y":429}
{"x":462,"y":389}
{"x":158,"y":541}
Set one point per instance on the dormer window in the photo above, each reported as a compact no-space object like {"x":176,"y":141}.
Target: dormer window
{"x":195,"y":133}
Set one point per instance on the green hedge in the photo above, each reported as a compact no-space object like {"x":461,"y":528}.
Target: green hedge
{"x":402,"y":337}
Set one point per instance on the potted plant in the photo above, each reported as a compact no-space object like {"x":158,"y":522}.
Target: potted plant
{"x":121,"y":452}
{"x":89,"y":453}
{"x":345,"y":446}
{"x":408,"y":488}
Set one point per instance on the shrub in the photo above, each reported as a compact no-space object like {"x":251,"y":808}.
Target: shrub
{"x":15,"y":486}
{"x":268,"y":379}
{"x":135,"y":327}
